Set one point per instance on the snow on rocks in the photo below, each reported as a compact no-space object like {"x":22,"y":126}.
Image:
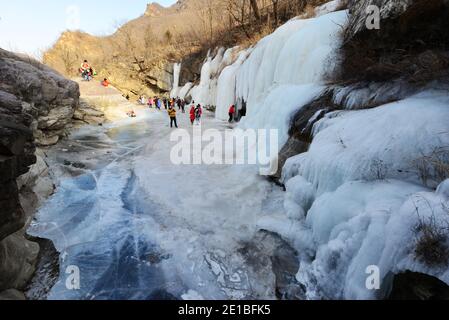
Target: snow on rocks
{"x":369,"y":195}
{"x":443,"y":188}
{"x":383,"y":142}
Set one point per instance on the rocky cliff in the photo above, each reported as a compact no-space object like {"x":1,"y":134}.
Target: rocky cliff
{"x":44,"y":94}
{"x":36,"y":105}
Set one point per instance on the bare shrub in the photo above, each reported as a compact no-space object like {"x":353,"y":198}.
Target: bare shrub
{"x":434,"y":166}
{"x":431,"y":245}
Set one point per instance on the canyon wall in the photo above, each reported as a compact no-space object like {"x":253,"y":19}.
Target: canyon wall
{"x":36,"y":106}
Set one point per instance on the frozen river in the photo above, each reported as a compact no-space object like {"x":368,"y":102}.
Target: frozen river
{"x":139,"y":227}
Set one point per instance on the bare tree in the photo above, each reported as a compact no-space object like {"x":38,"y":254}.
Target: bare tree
{"x":255,"y":7}
{"x":275,"y":11}
{"x":237,"y":11}
{"x":206,"y":13}
{"x":69,"y":60}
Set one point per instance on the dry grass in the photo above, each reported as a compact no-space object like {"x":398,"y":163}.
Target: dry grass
{"x":431,"y":245}
{"x":309,"y":11}
{"x":433,"y":167}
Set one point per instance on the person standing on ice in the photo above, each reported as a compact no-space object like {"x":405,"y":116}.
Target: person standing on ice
{"x":192,"y":113}
{"x":183,"y":106}
{"x":231,"y":113}
{"x":198,"y":114}
{"x":172,"y":114}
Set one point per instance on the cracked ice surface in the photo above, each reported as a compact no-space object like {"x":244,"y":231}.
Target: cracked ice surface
{"x":139,"y":227}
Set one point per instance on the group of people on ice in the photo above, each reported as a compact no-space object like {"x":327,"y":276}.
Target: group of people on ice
{"x":162,"y":103}
{"x":196,"y":112}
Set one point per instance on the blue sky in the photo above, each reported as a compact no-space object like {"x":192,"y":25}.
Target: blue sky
{"x":32,"y":25}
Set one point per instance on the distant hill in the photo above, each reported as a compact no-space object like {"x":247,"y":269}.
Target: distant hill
{"x":138,"y":58}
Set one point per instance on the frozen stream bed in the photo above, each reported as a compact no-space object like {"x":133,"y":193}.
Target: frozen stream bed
{"x":139,"y":227}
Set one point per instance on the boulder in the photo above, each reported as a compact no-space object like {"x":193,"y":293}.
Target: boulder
{"x":17,"y":261}
{"x":39,"y":93}
{"x":12,"y":294}
{"x":417,"y":286}
{"x":58,"y":118}
{"x":88,"y":114}
{"x":36,"y":185}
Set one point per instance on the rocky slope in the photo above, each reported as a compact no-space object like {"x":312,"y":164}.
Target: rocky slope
{"x":36,"y":105}
{"x":137,"y":58}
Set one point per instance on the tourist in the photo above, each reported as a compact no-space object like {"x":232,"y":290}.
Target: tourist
{"x":231,"y":113}
{"x":172,"y":115}
{"x":105,"y":83}
{"x":198,"y":114}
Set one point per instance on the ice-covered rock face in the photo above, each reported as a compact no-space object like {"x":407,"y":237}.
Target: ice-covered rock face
{"x":368,"y":195}
{"x":384,"y":142}
{"x":205,"y":93}
{"x":176,"y":72}
{"x":282,"y":73}
{"x":297,"y":53}
{"x":201,"y":93}
{"x":226,"y":86}
{"x":328,"y":7}
{"x":366,"y":225}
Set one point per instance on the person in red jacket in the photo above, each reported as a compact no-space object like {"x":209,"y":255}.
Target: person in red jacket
{"x":192,"y":113}
{"x":105,"y":83}
{"x":231,"y":113}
